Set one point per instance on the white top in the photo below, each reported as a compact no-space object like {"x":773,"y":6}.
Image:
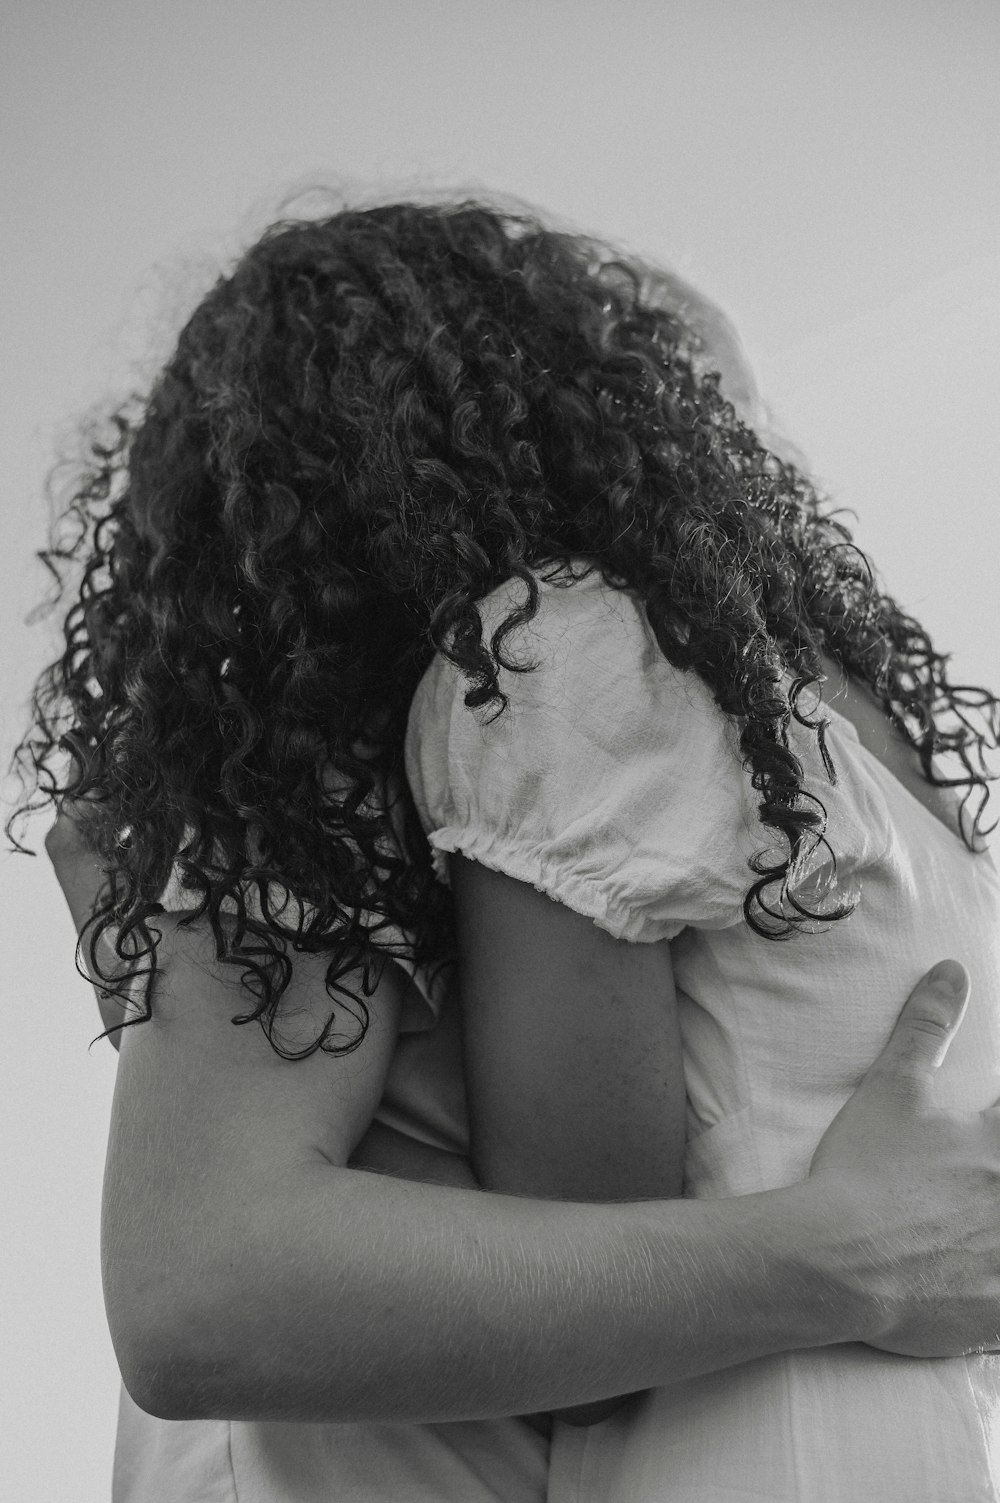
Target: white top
{"x":613,"y":784}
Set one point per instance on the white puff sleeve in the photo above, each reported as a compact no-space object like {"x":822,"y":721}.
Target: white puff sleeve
{"x":611,"y":782}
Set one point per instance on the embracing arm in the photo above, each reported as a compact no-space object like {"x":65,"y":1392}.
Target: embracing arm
{"x":250,"y":1274}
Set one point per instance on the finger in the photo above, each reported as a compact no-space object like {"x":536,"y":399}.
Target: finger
{"x":927,"y":1023}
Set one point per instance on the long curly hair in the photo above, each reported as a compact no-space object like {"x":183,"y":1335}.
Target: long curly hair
{"x":374,"y":420}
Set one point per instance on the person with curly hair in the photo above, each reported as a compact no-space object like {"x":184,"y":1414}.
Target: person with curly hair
{"x":651,"y":891}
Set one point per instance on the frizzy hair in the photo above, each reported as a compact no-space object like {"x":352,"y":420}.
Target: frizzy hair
{"x":374,"y":420}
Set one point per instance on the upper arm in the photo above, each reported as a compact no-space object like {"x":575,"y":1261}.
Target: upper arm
{"x":572,"y":1047}
{"x":208,"y":1121}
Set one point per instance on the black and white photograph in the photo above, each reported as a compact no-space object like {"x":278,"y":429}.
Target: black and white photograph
{"x":500,"y":751}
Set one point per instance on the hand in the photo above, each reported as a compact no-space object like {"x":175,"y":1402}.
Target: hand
{"x":917,"y":1189}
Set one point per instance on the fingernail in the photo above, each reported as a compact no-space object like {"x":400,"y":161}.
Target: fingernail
{"x":948,"y":976}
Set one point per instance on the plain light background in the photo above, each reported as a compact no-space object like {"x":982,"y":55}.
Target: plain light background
{"x":827,"y":170}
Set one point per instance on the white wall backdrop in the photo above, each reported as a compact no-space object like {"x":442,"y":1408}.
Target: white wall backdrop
{"x":826,"y":169}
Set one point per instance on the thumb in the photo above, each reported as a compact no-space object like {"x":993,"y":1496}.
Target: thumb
{"x":927,"y":1023}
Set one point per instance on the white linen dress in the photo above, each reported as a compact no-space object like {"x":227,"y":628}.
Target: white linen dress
{"x":613,"y":784}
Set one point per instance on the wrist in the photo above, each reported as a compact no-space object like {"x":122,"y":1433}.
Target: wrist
{"x":744,"y":1277}
{"x":829,"y":1265}
{"x":786,"y":1265}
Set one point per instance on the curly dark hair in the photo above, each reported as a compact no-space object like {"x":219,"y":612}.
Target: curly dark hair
{"x":377,"y":418}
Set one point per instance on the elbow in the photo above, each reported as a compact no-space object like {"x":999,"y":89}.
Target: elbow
{"x":169,"y":1390}
{"x":177,"y":1323}
{"x":171,"y":1378}
{"x":240,"y":1361}
{"x":175,"y":1348}
{"x":211,"y":1331}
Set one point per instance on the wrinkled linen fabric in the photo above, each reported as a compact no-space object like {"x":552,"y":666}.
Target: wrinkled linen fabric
{"x":613,"y":784}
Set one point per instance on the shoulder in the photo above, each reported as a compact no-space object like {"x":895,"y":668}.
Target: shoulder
{"x":593,"y":667}
{"x":610,"y":779}
{"x":578,"y":621}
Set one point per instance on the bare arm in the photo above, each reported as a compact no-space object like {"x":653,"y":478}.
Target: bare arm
{"x":572,"y":1053}
{"x":572,"y":1048}
{"x":250,"y":1274}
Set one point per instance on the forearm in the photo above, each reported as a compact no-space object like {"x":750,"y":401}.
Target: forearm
{"x":573,"y":1055}
{"x":362,"y":1297}
{"x":639,"y":1168}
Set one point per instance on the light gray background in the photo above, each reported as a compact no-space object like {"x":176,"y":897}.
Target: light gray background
{"x":826,"y":169}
